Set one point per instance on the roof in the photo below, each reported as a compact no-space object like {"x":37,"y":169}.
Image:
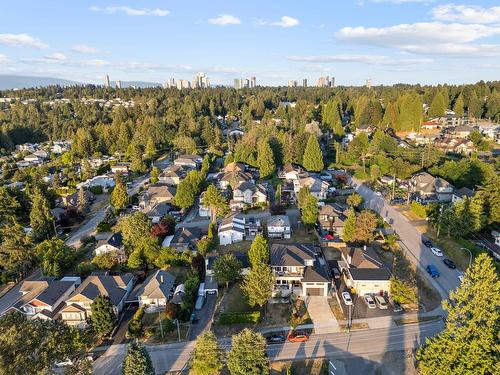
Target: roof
{"x":464,"y":192}
{"x":161,"y":190}
{"x":370,"y":274}
{"x":237,"y":176}
{"x":31,"y":289}
{"x":278,"y":221}
{"x":104,"y":285}
{"x":315,"y":274}
{"x":174,"y":171}
{"x":231,"y":167}
{"x":54,"y":291}
{"x":185,"y":235}
{"x":361,"y":258}
{"x":160,"y":209}
{"x":291,"y":255}
{"x":157,"y":285}
{"x":115,"y":240}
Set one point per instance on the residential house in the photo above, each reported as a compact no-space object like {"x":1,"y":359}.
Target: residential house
{"x":235,"y":178}
{"x":184,"y":239}
{"x":173,"y":175}
{"x":112,"y":244}
{"x":234,"y":167}
{"x":455,"y":145}
{"x":156,"y":194}
{"x":33,"y":159}
{"x":317,"y":187}
{"x":292,"y":172}
{"x":232,"y":229}
{"x":104,"y":181}
{"x":432,"y":124}
{"x":248,"y":193}
{"x":190,"y":161}
{"x":202,"y":210}
{"x":331,"y":218}
{"x":41,"y":154}
{"x":496,"y":236}
{"x":158,"y":212}
{"x":60,"y":147}
{"x":297,"y":270}
{"x":278,"y":226}
{"x":122,"y":168}
{"x":364,"y":272}
{"x":71,"y":200}
{"x":365,"y":128}
{"x":155,"y":291}
{"x":426,"y":187}
{"x":462,"y":131}
{"x":243,"y":258}
{"x":461,"y":194}
{"x":77,"y":311}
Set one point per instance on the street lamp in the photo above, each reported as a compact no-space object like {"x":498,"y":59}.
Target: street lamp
{"x":470,"y":255}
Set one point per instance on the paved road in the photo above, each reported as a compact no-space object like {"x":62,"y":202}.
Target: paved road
{"x":13,"y":295}
{"x":411,"y":240}
{"x":173,"y":357}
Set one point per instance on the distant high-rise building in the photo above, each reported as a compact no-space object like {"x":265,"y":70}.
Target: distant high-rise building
{"x":201,"y":81}
{"x":253,"y":82}
{"x":325,"y":82}
{"x":368,"y":83}
{"x":118,"y":84}
{"x":169,"y":83}
{"x":292,"y":83}
{"x":304,"y":82}
{"x":106,"y":81}
{"x":183,"y":84}
{"x":238,"y":83}
{"x":247,"y":83}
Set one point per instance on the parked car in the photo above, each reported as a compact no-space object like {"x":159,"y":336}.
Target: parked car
{"x":381,"y":302}
{"x":397,"y":201}
{"x":437,"y":252}
{"x":426,"y":242}
{"x":449,"y":263}
{"x":370,"y":302}
{"x":433,"y":271}
{"x":397,"y":307}
{"x":275,"y":339}
{"x":64,"y":363}
{"x":298,"y":337}
{"x":336,"y":273}
{"x":347,"y":298}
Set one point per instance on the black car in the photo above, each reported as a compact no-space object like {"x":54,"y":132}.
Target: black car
{"x":449,"y":263}
{"x":426,"y":242}
{"x":275,"y":339}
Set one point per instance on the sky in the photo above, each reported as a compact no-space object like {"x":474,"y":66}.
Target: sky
{"x":387,"y":41}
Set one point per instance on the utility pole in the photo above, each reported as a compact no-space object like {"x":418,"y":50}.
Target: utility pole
{"x":394,"y":186}
{"x":178,"y":331}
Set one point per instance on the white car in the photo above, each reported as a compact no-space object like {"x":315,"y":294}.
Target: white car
{"x":437,"y":252}
{"x":461,"y":278}
{"x":64,"y":363}
{"x":381,"y":302}
{"x":347,"y":298}
{"x":370,"y":302}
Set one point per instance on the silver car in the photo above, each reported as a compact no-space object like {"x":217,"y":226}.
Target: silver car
{"x":370,"y":302}
{"x":381,"y":302}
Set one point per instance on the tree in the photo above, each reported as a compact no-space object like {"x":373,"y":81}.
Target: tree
{"x":349,"y":226}
{"x":208,"y":356}
{"x":103,"y":316}
{"x":332,"y":117}
{"x":82,"y":202}
{"x":227,"y":269}
{"x":366,"y":222}
{"x":259,"y":251}
{"x":137,"y":361}
{"x":215,"y":201}
{"x":9,"y":206}
{"x":30,"y":346}
{"x":155,"y":173}
{"x":41,"y":219}
{"x":119,"y":197}
{"x":438,"y":105}
{"x":265,"y":159}
{"x":258,"y":284}
{"x":402,"y":292}
{"x":54,"y":256}
{"x":106,"y":261}
{"x":313,"y":157}
{"x":354,"y":200}
{"x":308,"y":205}
{"x":458,"y":107}
{"x":248,"y":354}
{"x":16,"y":249}
{"x":150,"y":150}
{"x":469,"y":342}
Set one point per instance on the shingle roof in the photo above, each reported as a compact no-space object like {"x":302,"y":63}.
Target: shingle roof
{"x":315,"y":274}
{"x":54,"y":291}
{"x":278,"y":221}
{"x":157,"y":285}
{"x":186,"y":235}
{"x":361,"y":258}
{"x":112,"y":286}
{"x":115,"y":240}
{"x":369,"y":274}
{"x":291,"y":255}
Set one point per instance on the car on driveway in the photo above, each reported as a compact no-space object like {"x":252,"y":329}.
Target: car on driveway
{"x":347,"y":298}
{"x":426,"y":242}
{"x":381,"y":302}
{"x":275,"y":339}
{"x":432,"y":270}
{"x":449,"y":263}
{"x":437,"y":252}
{"x":298,"y":337}
{"x":370,"y":302}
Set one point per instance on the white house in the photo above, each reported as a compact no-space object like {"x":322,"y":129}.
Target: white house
{"x":248,"y":193}
{"x":232,"y":229}
{"x":317,"y":187}
{"x":114,"y":243}
{"x":278,"y":226}
{"x":156,"y":291}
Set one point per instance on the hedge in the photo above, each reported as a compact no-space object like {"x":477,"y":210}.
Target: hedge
{"x":239,"y":317}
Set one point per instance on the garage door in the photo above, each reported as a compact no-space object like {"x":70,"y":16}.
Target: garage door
{"x":314,"y":291}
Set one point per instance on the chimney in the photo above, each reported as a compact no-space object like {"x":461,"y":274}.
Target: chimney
{"x":161,"y":279}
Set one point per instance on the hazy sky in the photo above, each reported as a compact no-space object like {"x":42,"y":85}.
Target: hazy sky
{"x":388,"y":41}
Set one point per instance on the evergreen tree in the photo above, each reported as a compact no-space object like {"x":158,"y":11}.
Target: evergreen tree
{"x":54,"y":256}
{"x":349,"y":226}
{"x":208,"y":356}
{"x":41,"y":219}
{"x":16,"y":249}
{"x":309,"y":210}
{"x":137,"y":361}
{"x":259,"y":251}
{"x":438,"y":105}
{"x":265,"y":159}
{"x":332,"y":117}
{"x":103,"y":316}
{"x":155,"y":173}
{"x":313,"y":157}
{"x":119,"y":197}
{"x":216,"y":202}
{"x":258,"y":284}
{"x":475,"y":108}
{"x":82,"y":202}
{"x":248,"y":354}
{"x":390,"y":119}
{"x":458,"y":107}
{"x":150,"y":148}
{"x":469,"y":343}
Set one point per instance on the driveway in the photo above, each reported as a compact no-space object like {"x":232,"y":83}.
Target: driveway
{"x":323,"y":319}
{"x":205,"y":317}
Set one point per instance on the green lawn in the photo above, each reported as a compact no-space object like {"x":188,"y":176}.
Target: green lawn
{"x":235,"y":300}
{"x":241,"y":247}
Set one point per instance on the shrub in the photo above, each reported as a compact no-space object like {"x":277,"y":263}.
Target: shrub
{"x":103,"y":227}
{"x":96,"y":189}
{"x":87,"y":240}
{"x":239,"y":317}
{"x":135,"y":324}
{"x":418,"y":209}
{"x":171,"y":310}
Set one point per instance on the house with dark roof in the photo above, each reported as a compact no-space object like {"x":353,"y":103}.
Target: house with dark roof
{"x":184,"y":239}
{"x":331,"y":218}
{"x":77,"y":311}
{"x":112,"y":244}
{"x":297,"y":270}
{"x":156,"y":194}
{"x":426,"y":187}
{"x":248,"y":193}
{"x":235,"y":178}
{"x":173,"y":175}
{"x":461,"y":194}
{"x":363,"y":271}
{"x":243,"y":259}
{"x":155,"y":292}
{"x":278,"y":226}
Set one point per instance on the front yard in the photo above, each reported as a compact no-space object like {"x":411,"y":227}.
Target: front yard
{"x":152,"y":333}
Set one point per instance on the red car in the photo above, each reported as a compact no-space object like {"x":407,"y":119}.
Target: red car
{"x":298,"y":337}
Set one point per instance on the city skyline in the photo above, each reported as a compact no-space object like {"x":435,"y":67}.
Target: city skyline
{"x":391,"y":41}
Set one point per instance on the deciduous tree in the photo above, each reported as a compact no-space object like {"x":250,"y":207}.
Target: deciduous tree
{"x":227,"y":269}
